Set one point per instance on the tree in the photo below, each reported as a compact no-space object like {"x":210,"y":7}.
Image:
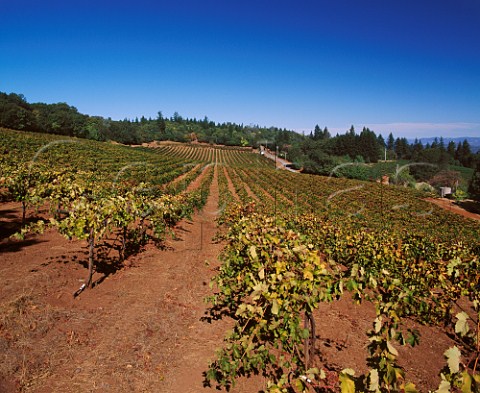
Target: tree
{"x":466,"y":158}
{"x":346,"y":144}
{"x":95,"y":128}
{"x":177,"y":118}
{"x":451,"y":150}
{"x":326,"y":133}
{"x":474,"y":186}
{"x":390,"y":142}
{"x":16,"y":113}
{"x":446,"y":178}
{"x":381,"y":141}
{"x":161,"y":126}
{"x":59,"y":118}
{"x":417,"y":150}
{"x":464,"y":154}
{"x":402,"y":148}
{"x":369,"y":146}
{"x":441,"y":144}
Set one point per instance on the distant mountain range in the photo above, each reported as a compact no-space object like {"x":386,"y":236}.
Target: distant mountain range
{"x":473,"y":141}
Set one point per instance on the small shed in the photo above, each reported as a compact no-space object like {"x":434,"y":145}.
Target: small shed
{"x":444,"y":191}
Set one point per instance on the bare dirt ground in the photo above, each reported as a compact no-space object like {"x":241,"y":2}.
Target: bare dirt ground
{"x":450,"y":205}
{"x":140,"y":329}
{"x":178,"y":180}
{"x":231,"y":187}
{"x":281,"y":163}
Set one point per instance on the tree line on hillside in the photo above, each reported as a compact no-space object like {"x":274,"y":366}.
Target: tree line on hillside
{"x":434,"y":163}
{"x":318,"y":153}
{"x":63,"y":119}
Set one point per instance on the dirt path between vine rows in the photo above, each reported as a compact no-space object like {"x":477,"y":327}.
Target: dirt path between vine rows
{"x":139,"y":330}
{"x":231,"y":187}
{"x":451,"y":206}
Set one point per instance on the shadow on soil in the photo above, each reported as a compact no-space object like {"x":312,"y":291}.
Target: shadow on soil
{"x":11,"y":224}
{"x":14,"y":225}
{"x":107,"y":257}
{"x":470,"y":206}
{"x":9,"y":228}
{"x":17,"y":245}
{"x":106,"y":261}
{"x":8,"y":213}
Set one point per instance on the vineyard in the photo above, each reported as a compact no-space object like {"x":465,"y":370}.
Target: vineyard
{"x":191,"y":267}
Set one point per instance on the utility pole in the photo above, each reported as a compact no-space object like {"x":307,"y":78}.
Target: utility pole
{"x":276,"y":154}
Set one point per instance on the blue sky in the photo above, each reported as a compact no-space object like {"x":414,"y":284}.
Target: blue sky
{"x":407,"y":67}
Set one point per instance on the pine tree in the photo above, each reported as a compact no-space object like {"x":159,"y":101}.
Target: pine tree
{"x":161,"y":126}
{"x":381,"y":141}
{"x":402,"y":148}
{"x":474,"y":186}
{"x":369,"y":146}
{"x":417,"y":150}
{"x":451,"y":149}
{"x":326,"y":133}
{"x":390,"y":142}
{"x":467,"y":157}
{"x":441,"y":144}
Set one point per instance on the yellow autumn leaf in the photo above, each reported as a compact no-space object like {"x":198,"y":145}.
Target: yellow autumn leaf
{"x":275,"y":307}
{"x":308,"y":275}
{"x":253,"y":252}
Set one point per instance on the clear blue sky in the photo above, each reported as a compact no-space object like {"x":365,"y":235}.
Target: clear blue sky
{"x":410,"y":67}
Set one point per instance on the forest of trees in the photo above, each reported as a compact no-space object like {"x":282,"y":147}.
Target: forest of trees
{"x":318,"y":153}
{"x":63,"y":119}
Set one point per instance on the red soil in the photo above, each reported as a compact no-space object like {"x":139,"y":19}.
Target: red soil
{"x":140,"y":329}
{"x":450,"y":205}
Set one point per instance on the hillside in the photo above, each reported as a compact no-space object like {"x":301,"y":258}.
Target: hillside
{"x":319,"y":152}
{"x":63,"y":119}
{"x":300,"y":267}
